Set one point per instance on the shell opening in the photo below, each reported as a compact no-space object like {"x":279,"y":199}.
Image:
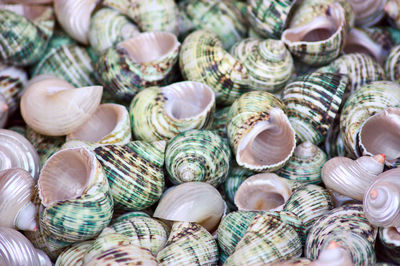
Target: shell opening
{"x":147,"y":47}
{"x":393,"y":233}
{"x":261,"y":200}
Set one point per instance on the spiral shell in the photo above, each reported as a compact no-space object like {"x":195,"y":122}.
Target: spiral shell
{"x":134,"y":172}
{"x":12,"y":81}
{"x":109,"y":27}
{"x":392,"y":64}
{"x":392,"y":9}
{"x":75,"y":196}
{"x":368,"y":13}
{"x":16,"y":250}
{"x":189,"y":244}
{"x":202,"y":58}
{"x":148,"y":59}
{"x":52,"y":106}
{"x":389,"y":238}
{"x":236,"y":176}
{"x":25,"y":31}
{"x":162,"y":113}
{"x":259,"y":132}
{"x":73,"y":255}
{"x":313,"y":102}
{"x":192,"y":202}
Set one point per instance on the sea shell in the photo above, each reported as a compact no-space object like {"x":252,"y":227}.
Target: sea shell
{"x":52,"y":106}
{"x":380,"y":133}
{"x":365,"y":102}
{"x":392,"y":9}
{"x":221,"y":17}
{"x":148,"y":59}
{"x":189,"y":244}
{"x":263,"y":192}
{"x":259,"y":132}
{"x":17,"y":152}
{"x":389,"y":238}
{"x":134,"y":172}
{"x":368,"y":13}
{"x":197,"y":156}
{"x":25,"y":30}
{"x":269,"y":17}
{"x":109,"y":27}
{"x":110,"y":124}
{"x":155,"y":15}
{"x":392,"y":64}
{"x":73,"y":255}
{"x":352,"y":178}
{"x":162,"y":113}
{"x":269,"y":64}
{"x":333,"y":255}
{"x":74,"y":17}
{"x":16,"y":250}
{"x":309,"y":203}
{"x":202,"y":58}
{"x":236,"y":176}
{"x":305,"y":165}
{"x":220,"y":121}
{"x":381,"y":201}
{"x":268,"y":239}
{"x":321,"y":40}
{"x":341,"y":200}
{"x":192,"y":202}
{"x":313,"y":102}
{"x":75,"y":196}
{"x":12,"y":81}
{"x":16,"y":209}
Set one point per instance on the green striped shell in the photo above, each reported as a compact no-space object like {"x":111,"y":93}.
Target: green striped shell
{"x":392,"y":64}
{"x":313,"y":102}
{"x":219,"y":16}
{"x":269,"y":64}
{"x":134,"y":172}
{"x":154,"y":15}
{"x":109,"y":27}
{"x":202,"y":58}
{"x":162,"y":113}
{"x":268,"y":17}
{"x":189,"y":244}
{"x":24,"y":39}
{"x":197,"y":156}
{"x":12,"y":82}
{"x":390,"y":241}
{"x":236,"y":176}
{"x":335,"y":225}
{"x":220,"y":121}
{"x":73,"y":255}
{"x":127,"y":215}
{"x":305,"y":165}
{"x":367,"y":101}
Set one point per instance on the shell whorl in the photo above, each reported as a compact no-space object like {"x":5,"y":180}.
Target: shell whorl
{"x":368,"y":13}
{"x":392,"y":67}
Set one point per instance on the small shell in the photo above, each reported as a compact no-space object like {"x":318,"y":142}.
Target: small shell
{"x":392,"y":64}
{"x":220,"y":17}
{"x":109,"y":27}
{"x":148,"y":59}
{"x":352,"y":178}
{"x":236,"y":176}
{"x":110,"y":124}
{"x":26,"y":30}
{"x":16,"y":209}
{"x":313,"y":102}
{"x":162,"y":113}
{"x":259,"y":132}
{"x":74,"y":255}
{"x":392,"y":9}
{"x":192,"y":202}
{"x":201,"y":52}
{"x":12,"y":81}
{"x":368,"y":12}
{"x":197,"y":156}
{"x":74,"y":17}
{"x":189,"y":244}
{"x":263,"y":192}
{"x":134,"y":172}
{"x":52,"y":106}
{"x":75,"y":196}
{"x":15,"y":249}
{"x":305,"y":165}
{"x":389,"y":238}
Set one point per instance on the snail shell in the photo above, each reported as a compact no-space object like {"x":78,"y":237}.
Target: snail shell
{"x":162,"y":113}
{"x":74,"y":255}
{"x":352,"y":178}
{"x":392,"y":9}
{"x":259,"y":132}
{"x":334,"y":255}
{"x":389,"y":238}
{"x":236,"y":176}
{"x":52,"y":106}
{"x":12,"y":81}
{"x":392,"y":64}
{"x":369,"y":12}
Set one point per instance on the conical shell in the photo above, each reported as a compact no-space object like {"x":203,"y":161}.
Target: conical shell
{"x":73,"y":255}
{"x":52,"y":106}
{"x":305,"y":165}
{"x":12,"y":81}
{"x":197,"y":156}
{"x":189,"y":244}
{"x":25,"y":30}
{"x":192,"y":202}
{"x":259,"y":132}
{"x":202,"y":58}
{"x":75,"y":195}
{"x":135,"y":172}
{"x":236,"y":176}
{"x":162,"y":113}
{"x":148,"y":59}
{"x":110,"y":124}
{"x":368,"y":13}
{"x":109,"y":27}
{"x":390,"y":239}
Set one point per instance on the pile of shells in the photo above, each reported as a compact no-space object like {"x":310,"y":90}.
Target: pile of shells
{"x":199,"y":132}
